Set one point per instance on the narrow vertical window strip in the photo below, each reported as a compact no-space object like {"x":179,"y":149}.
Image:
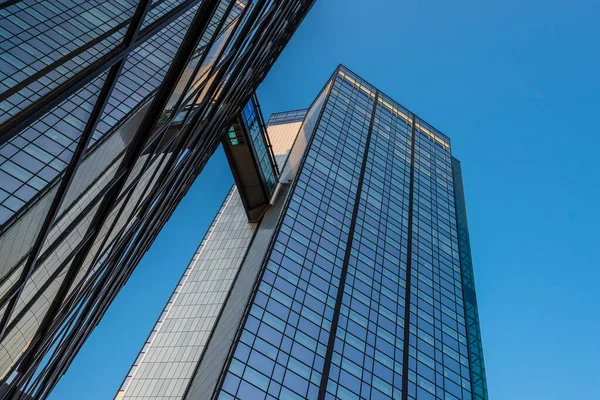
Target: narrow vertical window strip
{"x":406,"y":344}
{"x":340,"y":294}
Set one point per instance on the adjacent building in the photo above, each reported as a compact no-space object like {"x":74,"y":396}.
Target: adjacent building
{"x":355,"y":281}
{"x":108,"y":111}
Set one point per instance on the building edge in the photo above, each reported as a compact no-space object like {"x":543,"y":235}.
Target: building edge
{"x":475,"y":345}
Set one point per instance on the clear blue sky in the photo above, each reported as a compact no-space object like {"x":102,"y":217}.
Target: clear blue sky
{"x":516,"y":86}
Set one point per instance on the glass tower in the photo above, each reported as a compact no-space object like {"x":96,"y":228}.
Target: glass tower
{"x":357,"y":282}
{"x":108,"y":111}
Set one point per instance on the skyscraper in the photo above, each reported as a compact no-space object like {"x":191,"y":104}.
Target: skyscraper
{"x":356,"y":283}
{"x":109,"y":109}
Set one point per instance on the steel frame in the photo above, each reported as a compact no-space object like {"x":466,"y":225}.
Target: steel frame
{"x":259,"y":37}
{"x":134,"y":150}
{"x":67,"y":179}
{"x":14,"y":125}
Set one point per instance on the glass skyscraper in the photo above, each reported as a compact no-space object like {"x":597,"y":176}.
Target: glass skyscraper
{"x":108,"y":111}
{"x":356,"y":283}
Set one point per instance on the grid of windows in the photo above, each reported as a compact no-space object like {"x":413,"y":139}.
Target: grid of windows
{"x":142,"y":73}
{"x":400,"y":332}
{"x":44,"y":43}
{"x":48,"y":42}
{"x":368,"y":351}
{"x":283,"y":344}
{"x":38,"y":154}
{"x":32,"y":159}
{"x":135,"y":178}
{"x":287,"y":117}
{"x":45,"y":280}
{"x":438,"y":363}
{"x":166,"y":362}
{"x":60,"y":129}
{"x":158,"y":8}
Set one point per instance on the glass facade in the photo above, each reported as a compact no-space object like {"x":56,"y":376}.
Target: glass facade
{"x":364,"y":287}
{"x":108,"y":111}
{"x":166,"y":362}
{"x":213,"y":280}
{"x":43,"y":150}
{"x":46,"y":42}
{"x":478,"y":381}
{"x":260,"y":144}
{"x":361,"y":295}
{"x":35,"y":157}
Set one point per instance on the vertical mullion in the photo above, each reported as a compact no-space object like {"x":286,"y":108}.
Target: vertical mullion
{"x":409,"y":246}
{"x":70,"y":171}
{"x":80,"y":151}
{"x":349,"y":244}
{"x":61,"y":192}
{"x":259,"y":276}
{"x":135,"y":148}
{"x":27,"y":116}
{"x":157,"y":140}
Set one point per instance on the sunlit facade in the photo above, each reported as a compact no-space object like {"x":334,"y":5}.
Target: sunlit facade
{"x":356,"y":284}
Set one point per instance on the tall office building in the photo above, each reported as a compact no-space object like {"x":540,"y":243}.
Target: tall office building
{"x":109,"y":110}
{"x":356,"y":282}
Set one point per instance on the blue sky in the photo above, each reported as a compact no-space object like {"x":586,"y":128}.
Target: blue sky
{"x":516,"y":86}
